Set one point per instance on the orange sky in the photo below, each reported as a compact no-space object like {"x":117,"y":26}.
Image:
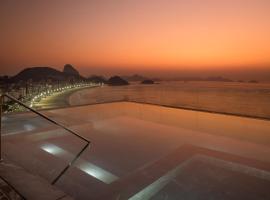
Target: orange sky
{"x":132,"y":35}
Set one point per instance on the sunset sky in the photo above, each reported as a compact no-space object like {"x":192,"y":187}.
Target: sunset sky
{"x":136,"y":36}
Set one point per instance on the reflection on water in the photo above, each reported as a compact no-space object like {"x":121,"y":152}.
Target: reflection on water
{"x":199,"y":178}
{"x":128,"y":123}
{"x":236,"y":98}
{"x":82,"y":164}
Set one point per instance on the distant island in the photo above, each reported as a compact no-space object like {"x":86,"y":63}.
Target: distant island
{"x":117,"y":81}
{"x":148,"y":81}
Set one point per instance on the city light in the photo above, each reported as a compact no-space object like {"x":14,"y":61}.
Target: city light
{"x":31,"y":95}
{"x":49,"y":92}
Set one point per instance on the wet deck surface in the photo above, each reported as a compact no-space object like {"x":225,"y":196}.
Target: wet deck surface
{"x":130,"y":138}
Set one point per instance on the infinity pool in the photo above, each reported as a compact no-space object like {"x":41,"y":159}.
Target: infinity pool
{"x":142,"y":151}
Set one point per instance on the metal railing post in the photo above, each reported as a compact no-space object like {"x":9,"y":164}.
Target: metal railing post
{"x":1,"y":112}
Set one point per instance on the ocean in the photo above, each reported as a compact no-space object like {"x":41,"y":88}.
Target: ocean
{"x":245,"y":99}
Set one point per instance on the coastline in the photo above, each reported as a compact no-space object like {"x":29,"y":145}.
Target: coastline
{"x":58,"y":100}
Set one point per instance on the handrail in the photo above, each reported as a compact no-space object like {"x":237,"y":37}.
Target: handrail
{"x":44,"y":116}
{"x":54,"y":122}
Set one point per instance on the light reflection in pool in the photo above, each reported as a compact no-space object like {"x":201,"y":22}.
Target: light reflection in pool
{"x":85,"y":166}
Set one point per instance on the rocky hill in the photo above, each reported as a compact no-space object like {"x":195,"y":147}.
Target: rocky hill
{"x":37,"y":74}
{"x":70,"y":70}
{"x":148,"y":82}
{"x":117,"y":81}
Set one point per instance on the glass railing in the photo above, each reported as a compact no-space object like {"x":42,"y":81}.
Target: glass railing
{"x":38,"y":143}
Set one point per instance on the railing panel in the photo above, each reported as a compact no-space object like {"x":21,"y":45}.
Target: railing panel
{"x":39,"y":144}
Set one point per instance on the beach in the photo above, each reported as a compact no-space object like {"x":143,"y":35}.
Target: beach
{"x":58,"y":99}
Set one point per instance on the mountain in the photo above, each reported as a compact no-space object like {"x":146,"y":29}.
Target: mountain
{"x":117,"y":81}
{"x":4,"y":78}
{"x":70,"y":70}
{"x":37,"y":74}
{"x":134,"y":77}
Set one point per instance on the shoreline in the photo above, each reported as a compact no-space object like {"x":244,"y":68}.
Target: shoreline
{"x":58,"y":100}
